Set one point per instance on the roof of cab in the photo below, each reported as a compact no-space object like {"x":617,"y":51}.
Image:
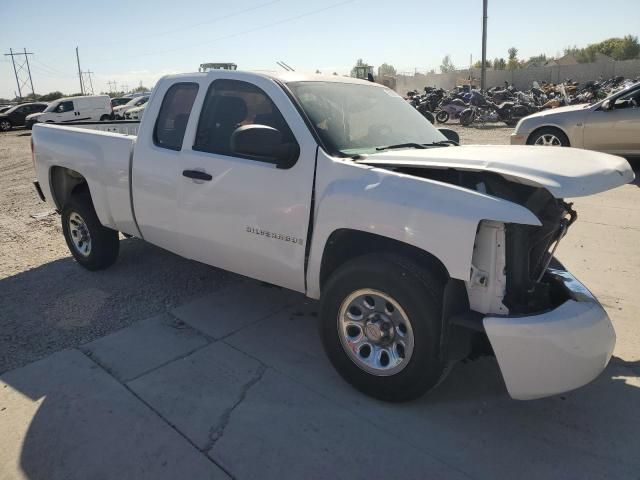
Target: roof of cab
{"x":285,"y":77}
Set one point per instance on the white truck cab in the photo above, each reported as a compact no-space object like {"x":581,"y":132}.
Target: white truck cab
{"x":338,"y":188}
{"x":89,"y":108}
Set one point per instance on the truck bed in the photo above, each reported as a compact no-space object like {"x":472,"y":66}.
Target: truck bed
{"x":89,"y":148}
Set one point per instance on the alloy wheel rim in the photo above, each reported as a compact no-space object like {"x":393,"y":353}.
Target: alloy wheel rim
{"x":375,"y":332}
{"x":4,"y":125}
{"x":548,"y":140}
{"x":80,"y":236}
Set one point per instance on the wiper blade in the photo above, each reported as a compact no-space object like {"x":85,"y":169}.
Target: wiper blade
{"x":401,"y":145}
{"x":441,"y":143}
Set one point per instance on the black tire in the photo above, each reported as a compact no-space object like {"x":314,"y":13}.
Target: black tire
{"x":556,"y":132}
{"x":104,"y":118}
{"x":429,"y":116}
{"x":466,"y":117}
{"x":104,"y":243}
{"x":442,"y":116}
{"x":419,"y":294}
{"x":5,"y":125}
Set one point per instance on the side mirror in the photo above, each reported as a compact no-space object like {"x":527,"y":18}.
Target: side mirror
{"x":450,"y":134}
{"x":264,"y":143}
{"x":606,"y":105}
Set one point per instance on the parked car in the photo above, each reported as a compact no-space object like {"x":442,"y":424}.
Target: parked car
{"x":116,"y":102}
{"x":611,"y":125}
{"x":16,"y":116}
{"x":120,"y":111}
{"x":136,"y":113}
{"x":339,"y":189}
{"x":75,"y":109}
{"x":4,"y":108}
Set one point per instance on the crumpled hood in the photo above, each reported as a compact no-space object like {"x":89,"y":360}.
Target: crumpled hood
{"x":564,"y":172}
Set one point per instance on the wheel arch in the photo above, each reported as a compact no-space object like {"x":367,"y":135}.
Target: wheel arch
{"x":345,"y":244}
{"x":65,"y":182}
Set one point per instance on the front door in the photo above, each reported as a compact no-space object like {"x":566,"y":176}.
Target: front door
{"x":239,"y":213}
{"x":616,"y":130}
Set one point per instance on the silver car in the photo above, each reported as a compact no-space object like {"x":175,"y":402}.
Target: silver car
{"x":611,"y":125}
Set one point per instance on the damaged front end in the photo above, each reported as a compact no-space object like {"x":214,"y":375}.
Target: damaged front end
{"x":510,"y":261}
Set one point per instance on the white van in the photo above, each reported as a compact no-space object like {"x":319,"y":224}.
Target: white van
{"x":90,"y":108}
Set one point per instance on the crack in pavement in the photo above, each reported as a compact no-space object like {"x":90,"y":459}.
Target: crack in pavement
{"x":217,"y":431}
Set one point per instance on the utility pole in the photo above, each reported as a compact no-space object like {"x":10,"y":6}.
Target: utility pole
{"x":79,"y":72}
{"x":483,"y":75}
{"x":113,"y":86}
{"x":22,"y":77}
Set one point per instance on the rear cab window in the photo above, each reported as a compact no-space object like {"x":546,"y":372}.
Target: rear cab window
{"x":174,"y":115}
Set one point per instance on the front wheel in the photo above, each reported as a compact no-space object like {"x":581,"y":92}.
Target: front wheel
{"x":548,"y":137}
{"x":442,"y":116}
{"x":94,"y":246}
{"x":105,"y":118}
{"x":5,"y":125}
{"x":381,"y":326}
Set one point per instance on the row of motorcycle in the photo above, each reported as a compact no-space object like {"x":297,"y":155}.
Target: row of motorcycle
{"x":506,"y":104}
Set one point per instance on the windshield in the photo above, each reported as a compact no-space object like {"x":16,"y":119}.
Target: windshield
{"x":52,"y":106}
{"x":356,"y":119}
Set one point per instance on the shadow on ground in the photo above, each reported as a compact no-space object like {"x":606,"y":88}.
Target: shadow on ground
{"x":60,"y":304}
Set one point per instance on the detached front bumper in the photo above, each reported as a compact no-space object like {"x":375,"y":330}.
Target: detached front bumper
{"x":555,"y":351}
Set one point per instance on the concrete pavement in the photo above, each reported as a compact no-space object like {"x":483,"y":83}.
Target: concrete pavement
{"x":235,"y":383}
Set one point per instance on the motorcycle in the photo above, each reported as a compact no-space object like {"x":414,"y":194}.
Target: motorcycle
{"x":484,"y":111}
{"x":450,"y":108}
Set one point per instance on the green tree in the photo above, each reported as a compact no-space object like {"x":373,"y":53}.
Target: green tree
{"x":386,"y":69}
{"x":447,"y":65}
{"x":49,"y":97}
{"x":140,"y":88}
{"x":513,"y":62}
{"x":499,"y":64}
{"x":359,"y":63}
{"x":478,"y":64}
{"x":538,"y":59}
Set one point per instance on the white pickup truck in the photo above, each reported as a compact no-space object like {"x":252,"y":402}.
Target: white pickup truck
{"x":339,"y":189}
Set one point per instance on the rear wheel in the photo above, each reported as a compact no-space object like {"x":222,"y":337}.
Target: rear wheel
{"x":442,"y":116}
{"x":466,"y":118}
{"x":104,"y":118}
{"x":5,"y":125}
{"x":94,"y":246}
{"x":381,"y":326}
{"x":548,"y":137}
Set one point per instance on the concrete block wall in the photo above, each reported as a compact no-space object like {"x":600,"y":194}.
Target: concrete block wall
{"x":522,"y":78}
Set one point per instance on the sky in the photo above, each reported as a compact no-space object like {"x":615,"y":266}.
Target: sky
{"x":138,"y":42}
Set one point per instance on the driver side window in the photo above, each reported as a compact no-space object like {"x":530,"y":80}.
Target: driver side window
{"x":65,"y":107}
{"x":229,"y":105}
{"x":628,"y":100}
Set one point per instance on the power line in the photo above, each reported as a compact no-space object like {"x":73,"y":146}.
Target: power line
{"x":225,"y":37}
{"x":193,"y":25}
{"x":22,"y":77}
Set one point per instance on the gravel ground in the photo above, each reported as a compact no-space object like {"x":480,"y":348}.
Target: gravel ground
{"x":48,"y":303}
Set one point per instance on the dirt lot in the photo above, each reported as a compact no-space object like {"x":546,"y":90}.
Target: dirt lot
{"x":48,"y":303}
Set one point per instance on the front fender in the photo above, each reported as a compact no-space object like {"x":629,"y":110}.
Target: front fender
{"x":436,"y":217}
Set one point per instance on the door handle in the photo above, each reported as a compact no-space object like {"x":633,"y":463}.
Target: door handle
{"x":197,"y":175}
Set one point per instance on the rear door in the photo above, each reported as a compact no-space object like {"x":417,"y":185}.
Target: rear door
{"x":616,"y":130}
{"x":242,"y":214}
{"x":158,"y":164}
